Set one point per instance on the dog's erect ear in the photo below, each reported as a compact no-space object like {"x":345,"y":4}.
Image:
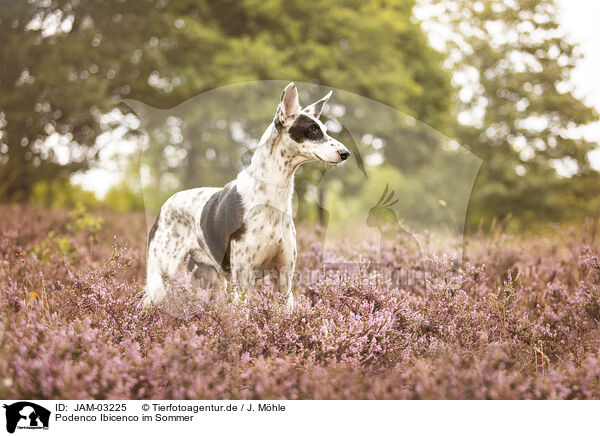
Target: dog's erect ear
{"x":316,"y":108}
{"x":288,"y":106}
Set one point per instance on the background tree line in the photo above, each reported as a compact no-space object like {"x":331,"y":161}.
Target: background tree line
{"x":501,"y":87}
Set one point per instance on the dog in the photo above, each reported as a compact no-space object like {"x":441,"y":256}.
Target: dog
{"x":232,"y":235}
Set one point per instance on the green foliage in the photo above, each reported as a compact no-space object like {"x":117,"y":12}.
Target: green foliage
{"x":68,"y":63}
{"x":47,"y":88}
{"x":54,"y":243}
{"x":164,"y":53}
{"x":82,"y":221}
{"x":121,"y":199}
{"x":62,"y":194}
{"x":513,"y":62}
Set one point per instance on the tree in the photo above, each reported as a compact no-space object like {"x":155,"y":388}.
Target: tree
{"x":512,"y":62}
{"x":64,"y":65}
{"x":71,"y":62}
{"x":383,"y":55}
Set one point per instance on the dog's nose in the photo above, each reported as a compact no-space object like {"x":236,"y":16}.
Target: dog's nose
{"x":344,"y":154}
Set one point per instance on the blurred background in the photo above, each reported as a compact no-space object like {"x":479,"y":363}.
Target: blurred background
{"x":512,"y":82}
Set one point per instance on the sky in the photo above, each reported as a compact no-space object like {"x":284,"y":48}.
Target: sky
{"x":580,"y":20}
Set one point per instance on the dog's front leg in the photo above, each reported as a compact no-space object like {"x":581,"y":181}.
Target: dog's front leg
{"x":284,"y":285}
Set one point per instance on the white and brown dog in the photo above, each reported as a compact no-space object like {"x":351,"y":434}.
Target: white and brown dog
{"x":236,"y":233}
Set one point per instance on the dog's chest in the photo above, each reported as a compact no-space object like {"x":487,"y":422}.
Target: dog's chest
{"x":269,"y":239}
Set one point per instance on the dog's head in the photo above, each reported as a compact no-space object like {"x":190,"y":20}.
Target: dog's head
{"x":301,"y":132}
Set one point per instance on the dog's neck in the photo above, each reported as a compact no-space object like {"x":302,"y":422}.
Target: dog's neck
{"x":270,"y":175}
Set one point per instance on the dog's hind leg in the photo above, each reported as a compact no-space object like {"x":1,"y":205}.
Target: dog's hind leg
{"x":155,"y":286}
{"x":165,"y":262}
{"x":206,"y":280}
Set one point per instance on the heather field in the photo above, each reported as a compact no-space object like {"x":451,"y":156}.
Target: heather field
{"x":518,"y":320}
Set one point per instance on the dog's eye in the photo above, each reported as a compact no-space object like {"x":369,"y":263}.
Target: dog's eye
{"x":314,"y":128}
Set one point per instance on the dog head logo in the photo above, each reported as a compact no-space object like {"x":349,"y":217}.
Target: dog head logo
{"x":26,"y":415}
{"x":210,"y":139}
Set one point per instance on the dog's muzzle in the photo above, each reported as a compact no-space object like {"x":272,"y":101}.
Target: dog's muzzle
{"x":344,"y":154}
